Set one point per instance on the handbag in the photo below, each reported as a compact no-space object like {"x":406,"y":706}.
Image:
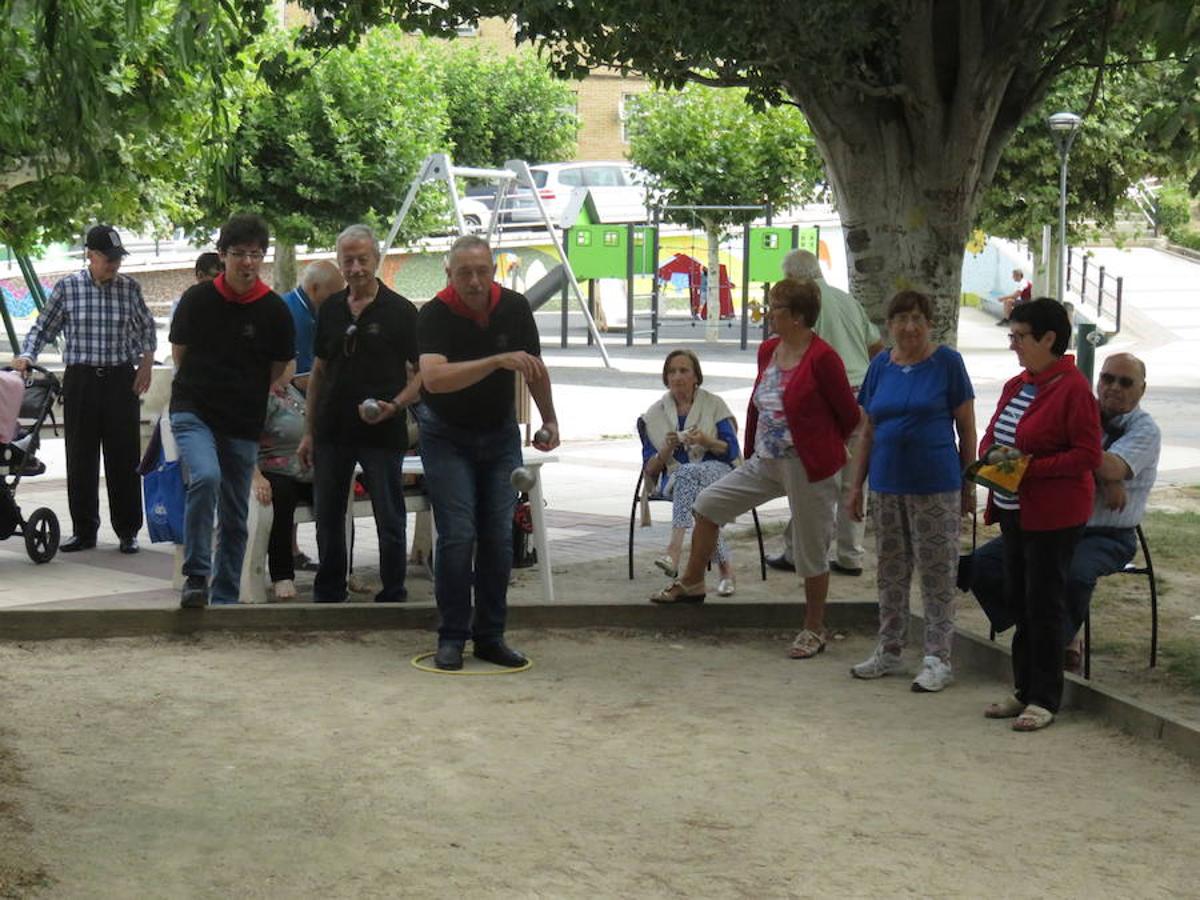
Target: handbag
{"x":166,"y":499}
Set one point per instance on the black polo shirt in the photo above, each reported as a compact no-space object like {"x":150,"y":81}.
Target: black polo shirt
{"x":226,"y":371}
{"x":489,"y":402}
{"x":368,"y":362}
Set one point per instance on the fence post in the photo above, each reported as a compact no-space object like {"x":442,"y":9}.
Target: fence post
{"x":1120,"y":291}
{"x":1083,"y":282}
{"x":1070,"y":262}
{"x":1100,"y":292}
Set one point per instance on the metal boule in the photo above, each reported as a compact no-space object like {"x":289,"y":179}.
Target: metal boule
{"x":523,"y":478}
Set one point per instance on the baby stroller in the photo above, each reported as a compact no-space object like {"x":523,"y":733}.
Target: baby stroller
{"x":18,"y":459}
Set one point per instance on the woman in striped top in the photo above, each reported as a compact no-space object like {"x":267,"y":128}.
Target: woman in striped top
{"x":1048,"y":414}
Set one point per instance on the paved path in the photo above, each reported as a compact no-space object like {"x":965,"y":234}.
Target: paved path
{"x":590,"y":490}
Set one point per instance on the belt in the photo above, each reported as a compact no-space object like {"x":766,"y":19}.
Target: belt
{"x":102,"y":371}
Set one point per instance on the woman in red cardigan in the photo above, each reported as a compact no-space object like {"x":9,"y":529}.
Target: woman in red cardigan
{"x":801,"y":413}
{"x":1048,"y":414}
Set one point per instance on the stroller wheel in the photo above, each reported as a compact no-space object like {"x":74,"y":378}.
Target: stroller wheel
{"x":41,"y":535}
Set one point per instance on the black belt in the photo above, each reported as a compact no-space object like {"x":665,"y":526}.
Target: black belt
{"x":101,"y":371}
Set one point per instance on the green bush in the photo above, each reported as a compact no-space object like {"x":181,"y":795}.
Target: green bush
{"x":1186,"y":237}
{"x":1174,"y":210}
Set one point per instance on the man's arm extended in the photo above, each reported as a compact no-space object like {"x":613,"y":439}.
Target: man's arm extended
{"x":440,"y":376}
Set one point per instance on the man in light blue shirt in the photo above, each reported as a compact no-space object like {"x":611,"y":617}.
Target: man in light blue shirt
{"x":1132,"y":444}
{"x":320,"y":280}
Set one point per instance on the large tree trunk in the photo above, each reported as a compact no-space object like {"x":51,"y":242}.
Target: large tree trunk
{"x":283,"y":274}
{"x":910,"y":159}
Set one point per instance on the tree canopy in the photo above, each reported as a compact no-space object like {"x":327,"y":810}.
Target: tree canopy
{"x":911,"y":102}
{"x":106,"y":102}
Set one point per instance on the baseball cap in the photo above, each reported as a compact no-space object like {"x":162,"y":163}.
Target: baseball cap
{"x":104,"y":239}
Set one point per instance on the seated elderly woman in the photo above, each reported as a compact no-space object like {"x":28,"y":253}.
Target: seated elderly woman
{"x":689,"y":442}
{"x":280,"y":480}
{"x":801,"y":413}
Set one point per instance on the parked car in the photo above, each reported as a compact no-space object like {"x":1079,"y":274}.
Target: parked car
{"x":615,"y":182}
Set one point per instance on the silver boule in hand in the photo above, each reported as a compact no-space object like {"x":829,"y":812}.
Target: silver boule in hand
{"x":523,"y":478}
{"x":371,"y":409}
{"x":541,"y":436}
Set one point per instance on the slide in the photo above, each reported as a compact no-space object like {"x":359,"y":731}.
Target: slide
{"x":548,"y":286}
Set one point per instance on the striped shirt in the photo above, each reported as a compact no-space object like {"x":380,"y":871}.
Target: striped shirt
{"x":1005,"y":433}
{"x":103,"y":324}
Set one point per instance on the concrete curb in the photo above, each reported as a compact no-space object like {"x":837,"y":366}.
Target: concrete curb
{"x":970,"y":651}
{"x":57,"y":624}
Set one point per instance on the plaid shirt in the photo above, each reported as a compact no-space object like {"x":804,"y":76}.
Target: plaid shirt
{"x":104,"y":325}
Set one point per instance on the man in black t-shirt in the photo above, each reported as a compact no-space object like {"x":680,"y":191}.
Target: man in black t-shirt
{"x":358,"y":391}
{"x":230,"y":339}
{"x":473,"y":336}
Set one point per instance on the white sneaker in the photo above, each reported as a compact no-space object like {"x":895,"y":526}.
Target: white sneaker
{"x":934,"y":675}
{"x":877,"y":665}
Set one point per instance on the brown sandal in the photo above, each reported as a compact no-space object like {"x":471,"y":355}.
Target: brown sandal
{"x":807,"y":644}
{"x":677,"y":592}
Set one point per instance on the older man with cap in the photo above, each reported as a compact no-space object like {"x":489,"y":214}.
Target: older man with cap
{"x":108,"y":350}
{"x":1132,"y":444}
{"x":844,"y":325}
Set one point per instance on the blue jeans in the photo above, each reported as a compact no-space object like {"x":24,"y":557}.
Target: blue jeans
{"x":333,"y":467}
{"x":219,"y":468}
{"x":1100,"y":552}
{"x":467,"y":475}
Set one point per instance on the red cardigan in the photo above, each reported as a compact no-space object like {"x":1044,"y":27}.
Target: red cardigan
{"x":1061,"y":431}
{"x":819,"y":406}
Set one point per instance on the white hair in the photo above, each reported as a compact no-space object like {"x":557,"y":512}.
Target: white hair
{"x":801,"y":265}
{"x":357,"y":233}
{"x":468,"y":242}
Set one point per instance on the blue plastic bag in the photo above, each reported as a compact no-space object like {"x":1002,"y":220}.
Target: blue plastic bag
{"x":166,"y":498}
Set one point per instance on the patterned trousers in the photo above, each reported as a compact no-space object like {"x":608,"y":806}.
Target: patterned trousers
{"x":920,"y":530}
{"x":690,"y":480}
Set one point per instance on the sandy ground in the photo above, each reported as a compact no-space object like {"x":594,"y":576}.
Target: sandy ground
{"x":620,"y":765}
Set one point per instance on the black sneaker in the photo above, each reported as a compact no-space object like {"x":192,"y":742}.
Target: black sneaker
{"x":500,"y":654}
{"x":195,"y":593}
{"x":449,"y":657}
{"x":301,"y":563}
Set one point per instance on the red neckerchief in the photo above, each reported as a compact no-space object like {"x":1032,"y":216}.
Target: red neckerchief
{"x":1057,"y":368}
{"x":260,"y":289}
{"x":449,"y":296}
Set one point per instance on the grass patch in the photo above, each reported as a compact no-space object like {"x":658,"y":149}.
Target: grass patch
{"x":1181,"y":656}
{"x":1172,"y":537}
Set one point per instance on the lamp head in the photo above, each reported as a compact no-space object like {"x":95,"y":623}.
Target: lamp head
{"x":1063,"y":122}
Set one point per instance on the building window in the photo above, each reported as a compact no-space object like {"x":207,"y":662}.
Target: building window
{"x":623,"y":116}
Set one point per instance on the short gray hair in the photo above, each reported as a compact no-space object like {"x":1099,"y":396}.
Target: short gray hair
{"x":468,"y":242}
{"x":357,"y":232}
{"x":320,"y":273}
{"x":801,"y":265}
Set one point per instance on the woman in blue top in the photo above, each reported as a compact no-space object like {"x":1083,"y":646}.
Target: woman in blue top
{"x":689,"y":441}
{"x":917,"y":397}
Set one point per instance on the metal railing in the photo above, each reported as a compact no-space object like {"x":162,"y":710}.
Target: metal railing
{"x":1094,"y":285}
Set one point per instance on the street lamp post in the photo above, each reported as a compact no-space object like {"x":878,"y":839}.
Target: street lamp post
{"x":1063,"y":127}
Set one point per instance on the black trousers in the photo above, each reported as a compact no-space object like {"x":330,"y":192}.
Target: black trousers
{"x":286,"y":492}
{"x":1036,"y":568}
{"x":101,"y":412}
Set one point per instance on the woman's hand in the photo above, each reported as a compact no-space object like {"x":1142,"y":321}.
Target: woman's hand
{"x":855,"y":503}
{"x":694,"y":437}
{"x":968,"y":498}
{"x":262,"y":488}
{"x":669,"y":444}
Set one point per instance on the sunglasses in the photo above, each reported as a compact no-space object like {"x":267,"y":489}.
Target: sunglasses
{"x":349,"y":339}
{"x":1123,"y":380}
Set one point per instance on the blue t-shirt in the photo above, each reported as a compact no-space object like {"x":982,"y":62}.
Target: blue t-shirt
{"x":912,"y":413}
{"x":305,"y":319}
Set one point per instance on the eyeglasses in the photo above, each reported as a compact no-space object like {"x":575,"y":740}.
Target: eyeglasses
{"x":240,"y":255}
{"x":348,"y":339}
{"x":1015,"y":337}
{"x":1123,"y":380}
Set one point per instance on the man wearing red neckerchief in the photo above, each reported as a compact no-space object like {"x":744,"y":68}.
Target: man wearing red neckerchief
{"x":473,"y":337}
{"x":230,"y":339}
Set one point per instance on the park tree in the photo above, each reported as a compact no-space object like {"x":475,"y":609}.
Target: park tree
{"x":703,"y":146}
{"x":331,"y":138}
{"x":105,"y":102}
{"x":911,"y":102}
{"x":503,"y":107}
{"x":1119,"y":146}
